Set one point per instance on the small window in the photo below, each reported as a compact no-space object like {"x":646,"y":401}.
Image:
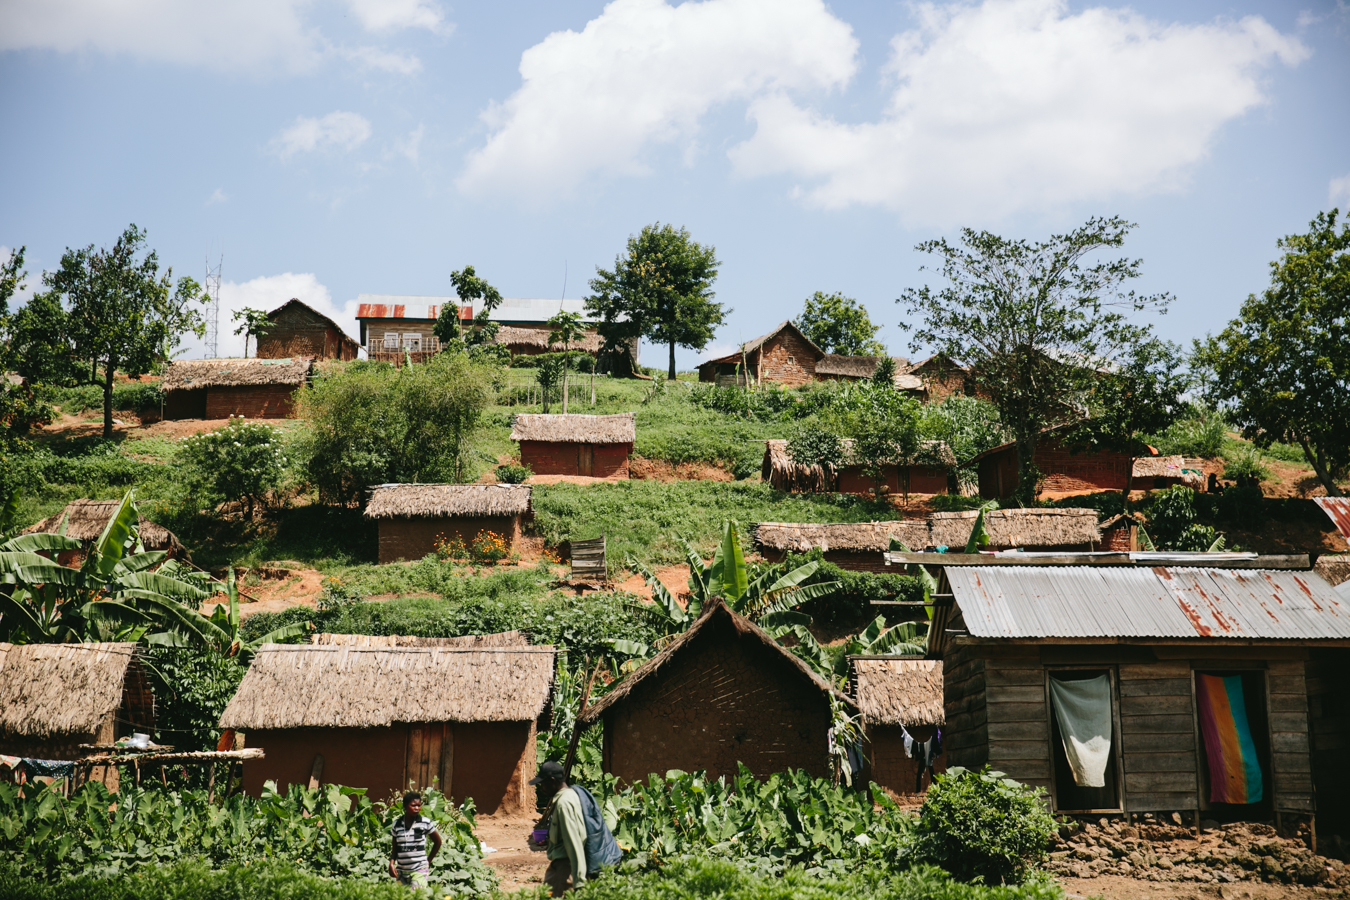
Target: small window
{"x":1083,"y":708}
{"x":391,"y":340}
{"x":412,"y":341}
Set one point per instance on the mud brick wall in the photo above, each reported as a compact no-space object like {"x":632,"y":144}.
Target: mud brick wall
{"x":890,"y":767}
{"x":558,"y":458}
{"x":726,"y":700}
{"x":1090,"y":470}
{"x":413,"y":538}
{"x":1118,"y":538}
{"x":785,"y":359}
{"x":300,"y":332}
{"x":940,"y":381}
{"x":263,"y":401}
{"x":922,"y":480}
{"x":185,"y":404}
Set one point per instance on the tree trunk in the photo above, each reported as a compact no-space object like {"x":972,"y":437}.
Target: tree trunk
{"x":1027,"y":474}
{"x":1323,"y":473}
{"x":671,"y":375}
{"x":107,"y":400}
{"x":1129,"y":481}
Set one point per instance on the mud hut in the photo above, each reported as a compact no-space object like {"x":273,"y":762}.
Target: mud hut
{"x":855,"y":546}
{"x":85,"y":521}
{"x":1065,"y":468}
{"x":1156,"y":472}
{"x":783,"y":356}
{"x":413,"y":517}
{"x":1122,"y":533}
{"x":722,"y":693}
{"x":54,"y":697}
{"x":898,"y":697}
{"x":938,"y":377}
{"x":299,"y":329}
{"x":1025,"y":529}
{"x":461,"y":719}
{"x":925,"y":473}
{"x":595,"y":446}
{"x":220,"y":388}
{"x":834,"y":367}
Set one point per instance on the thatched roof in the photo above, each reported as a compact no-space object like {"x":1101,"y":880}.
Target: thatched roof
{"x":716,"y":615}
{"x":1159,"y":466}
{"x":575,"y":429}
{"x":190,"y":374}
{"x":1025,"y":528}
{"x":855,"y":366}
{"x":1333,"y":569}
{"x":52,"y":689}
{"x":390,"y":500}
{"x":537,"y":339}
{"x":470,"y":641}
{"x":86,"y":519}
{"x":798,"y":537}
{"x":782,"y":472}
{"x":895,"y":691}
{"x":326,"y":686}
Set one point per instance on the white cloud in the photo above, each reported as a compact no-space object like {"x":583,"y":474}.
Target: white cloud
{"x":1338,"y":192}
{"x":1017,"y":104}
{"x":267,"y":293}
{"x":344,"y":130}
{"x":643,"y":73}
{"x":411,"y":146}
{"x":240,"y":35}
{"x":217,"y":196}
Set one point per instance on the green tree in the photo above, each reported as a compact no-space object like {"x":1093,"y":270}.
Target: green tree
{"x":1282,"y":367}
{"x":470,"y":289}
{"x":123,"y":315}
{"x":378,"y":424}
{"x":255,"y":324}
{"x":20,"y":408}
{"x":660,"y":290}
{"x":242,"y":461}
{"x":840,"y":324}
{"x":564,"y":328}
{"x":1034,"y":322}
{"x":12,"y":280}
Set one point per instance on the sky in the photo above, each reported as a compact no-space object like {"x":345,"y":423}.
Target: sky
{"x":328,"y":148}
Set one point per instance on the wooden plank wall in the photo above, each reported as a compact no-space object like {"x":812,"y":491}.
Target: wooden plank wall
{"x":1157,"y":732}
{"x":966,"y":734}
{"x":1290,"y":759}
{"x":1018,"y":723}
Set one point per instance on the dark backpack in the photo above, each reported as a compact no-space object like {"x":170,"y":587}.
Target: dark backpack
{"x":601,"y":848}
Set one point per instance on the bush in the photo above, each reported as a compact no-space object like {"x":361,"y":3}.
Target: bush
{"x":513,"y":474}
{"x":489,"y":547}
{"x":853,"y":602}
{"x":192,"y":687}
{"x":1244,"y":466}
{"x":1242,"y":506}
{"x":335,"y":594}
{"x":1171,"y":513}
{"x":1106,"y":503}
{"x":981,"y":826}
{"x":1203,"y":433}
{"x":242,"y":461}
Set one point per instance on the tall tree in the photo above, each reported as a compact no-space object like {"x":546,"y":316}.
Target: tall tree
{"x":255,"y":324}
{"x":123,"y":315}
{"x":1283,"y":365}
{"x":1034,"y":322}
{"x":470,"y":289}
{"x":660,"y":290}
{"x":839,"y":324}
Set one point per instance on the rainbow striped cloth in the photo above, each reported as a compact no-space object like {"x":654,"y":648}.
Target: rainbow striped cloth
{"x":1234,"y":773}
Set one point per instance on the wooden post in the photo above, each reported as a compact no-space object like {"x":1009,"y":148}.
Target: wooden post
{"x":576,"y":726}
{"x":316,"y":772}
{"x":211,"y":783}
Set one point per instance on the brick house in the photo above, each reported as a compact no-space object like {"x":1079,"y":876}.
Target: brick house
{"x":298,"y":329}
{"x":939,"y":377}
{"x":413,"y":517}
{"x":898,"y":697}
{"x":783,"y":356}
{"x":596,"y":446}
{"x":1064,"y":468}
{"x":926,"y":473}
{"x":85,"y":520}
{"x":220,"y":388}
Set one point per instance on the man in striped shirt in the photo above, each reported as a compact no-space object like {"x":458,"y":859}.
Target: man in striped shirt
{"x":410,"y":863}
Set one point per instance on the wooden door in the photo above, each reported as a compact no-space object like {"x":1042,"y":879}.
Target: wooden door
{"x":585,"y":459}
{"x":431,"y":756}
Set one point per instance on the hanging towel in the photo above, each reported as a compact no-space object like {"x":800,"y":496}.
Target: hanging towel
{"x":1083,"y":710}
{"x":1234,"y":773}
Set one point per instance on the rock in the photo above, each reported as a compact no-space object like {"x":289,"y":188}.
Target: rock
{"x":1176,"y":818}
{"x":1164,"y":863}
{"x":1082,"y":853}
{"x":1129,"y":831}
{"x":1308,"y":872}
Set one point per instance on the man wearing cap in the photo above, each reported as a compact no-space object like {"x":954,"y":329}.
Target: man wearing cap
{"x":566,"y":848}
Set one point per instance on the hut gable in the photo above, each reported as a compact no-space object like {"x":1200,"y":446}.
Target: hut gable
{"x":1042,"y":529}
{"x":575,"y":429}
{"x":299,"y":329}
{"x":51,"y":690}
{"x":86,"y":519}
{"x":894,"y":691}
{"x":442,"y":500}
{"x":938,"y":377}
{"x":853,"y":537}
{"x":783,"y":356}
{"x":333,"y":686}
{"x":192,"y":374}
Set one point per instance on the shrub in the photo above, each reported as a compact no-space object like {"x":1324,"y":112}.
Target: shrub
{"x":1242,"y":505}
{"x":1244,"y":466}
{"x":853,"y":601}
{"x":1201,"y":434}
{"x":335,"y":594}
{"x":1106,"y":503}
{"x":489,"y":547}
{"x":242,"y":461}
{"x":981,"y":826}
{"x":513,"y":473}
{"x":1170,"y":513}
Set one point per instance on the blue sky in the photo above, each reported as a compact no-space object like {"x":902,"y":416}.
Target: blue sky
{"x":335,"y":147}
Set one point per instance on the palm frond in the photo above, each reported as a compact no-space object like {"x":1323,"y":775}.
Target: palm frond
{"x":35,"y":543}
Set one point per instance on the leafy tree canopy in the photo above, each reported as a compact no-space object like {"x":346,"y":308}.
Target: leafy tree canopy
{"x":255,"y":324}
{"x":1283,"y":365}
{"x":840,"y":324}
{"x":471,"y":290}
{"x":1035,"y":323}
{"x":661,"y":290}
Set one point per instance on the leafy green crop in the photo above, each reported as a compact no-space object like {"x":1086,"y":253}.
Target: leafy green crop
{"x":334,"y":831}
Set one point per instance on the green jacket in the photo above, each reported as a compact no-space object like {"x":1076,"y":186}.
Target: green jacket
{"x":567,"y":833}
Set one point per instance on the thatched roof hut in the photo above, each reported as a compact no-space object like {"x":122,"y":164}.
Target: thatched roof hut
{"x":575,"y":429}
{"x":191,"y":374}
{"x":855,"y":537}
{"x":1026,"y":528}
{"x":892,"y":690}
{"x":421,"y":500}
{"x":86,"y":519}
{"x":1161,"y":471}
{"x":781,"y":471}
{"x":48,"y":690}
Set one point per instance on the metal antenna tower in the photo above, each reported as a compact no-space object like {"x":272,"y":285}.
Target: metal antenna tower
{"x":213,"y":315}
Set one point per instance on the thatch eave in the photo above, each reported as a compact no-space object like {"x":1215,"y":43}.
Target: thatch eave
{"x":435,"y":500}
{"x":893,"y":690}
{"x":193,"y":374}
{"x":620,"y":428}
{"x":59,"y":689}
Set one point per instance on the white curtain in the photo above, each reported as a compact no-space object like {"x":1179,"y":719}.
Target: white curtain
{"x":1083,"y":710}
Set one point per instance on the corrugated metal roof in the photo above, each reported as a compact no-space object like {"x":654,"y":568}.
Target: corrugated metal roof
{"x":1142,"y":602}
{"x":1338,"y":508}
{"x":512,"y":309}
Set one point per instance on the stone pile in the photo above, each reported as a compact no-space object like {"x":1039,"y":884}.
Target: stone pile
{"x":1160,"y":848}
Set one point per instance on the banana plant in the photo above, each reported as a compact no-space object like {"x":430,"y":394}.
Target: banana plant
{"x":226,"y":620}
{"x":878,"y":640}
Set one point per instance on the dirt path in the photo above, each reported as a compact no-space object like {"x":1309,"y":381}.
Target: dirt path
{"x":519,"y":863}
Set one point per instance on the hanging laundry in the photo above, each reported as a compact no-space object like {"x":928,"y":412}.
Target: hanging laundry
{"x":1234,"y":772}
{"x":926,"y":752}
{"x":1083,"y":711}
{"x":49,"y":768}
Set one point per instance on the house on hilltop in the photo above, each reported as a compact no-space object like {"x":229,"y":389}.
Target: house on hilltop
{"x":85,"y":521}
{"x":938,"y":377}
{"x":596,"y":446}
{"x":387,"y":717}
{"x":413,"y":517}
{"x":783,"y":356}
{"x":834,"y":367}
{"x":220,"y":388}
{"x":898,"y":697}
{"x":1065,"y":468}
{"x":722,"y":693}
{"x":925,"y":473}
{"x":298,"y":329}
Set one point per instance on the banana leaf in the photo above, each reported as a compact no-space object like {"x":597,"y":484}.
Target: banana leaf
{"x":35,"y":543}
{"x":112,"y":543}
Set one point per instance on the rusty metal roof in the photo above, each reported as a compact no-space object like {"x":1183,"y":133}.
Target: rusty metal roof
{"x":1338,"y":508}
{"x":1147,"y":602}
